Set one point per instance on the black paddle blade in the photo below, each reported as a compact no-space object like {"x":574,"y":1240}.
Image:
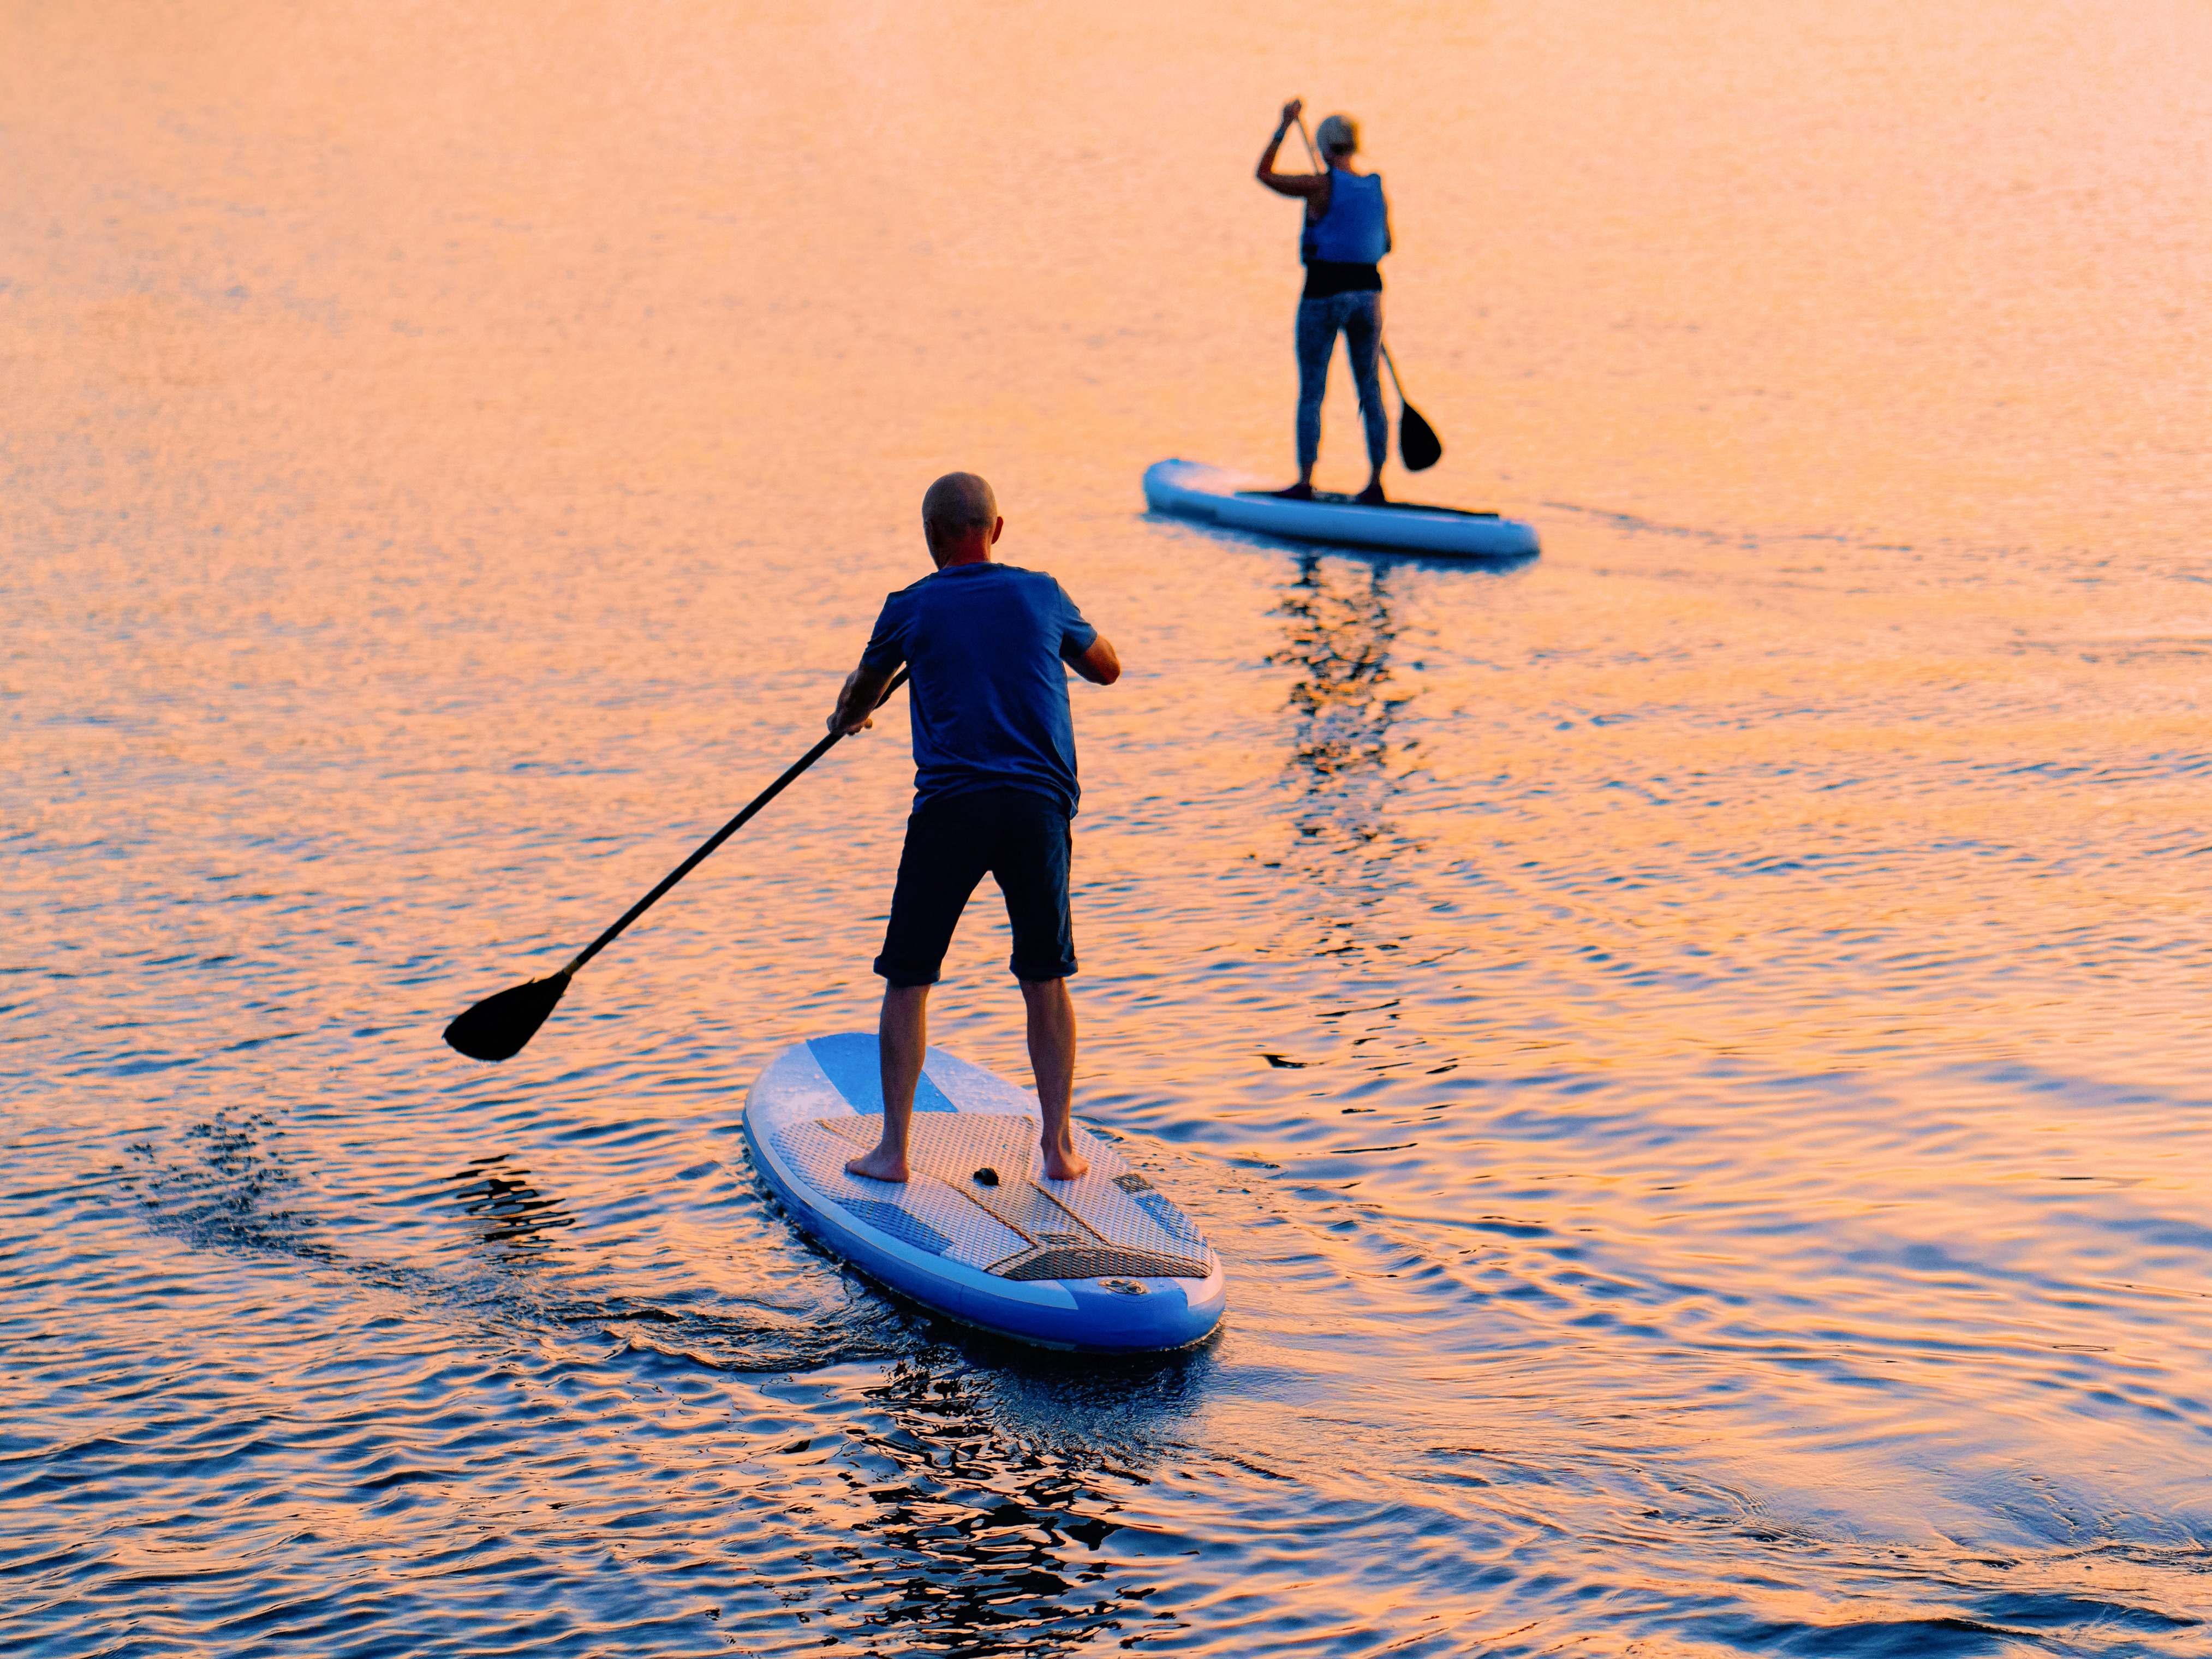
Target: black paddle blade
{"x":497,"y":1027}
{"x":1418,"y":443}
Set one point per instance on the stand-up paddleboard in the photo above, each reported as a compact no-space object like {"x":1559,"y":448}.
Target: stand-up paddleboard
{"x":1107,"y":1263}
{"x":1193,"y":490}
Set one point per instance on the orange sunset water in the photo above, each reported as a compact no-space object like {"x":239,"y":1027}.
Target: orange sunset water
{"x":1691,"y":1047}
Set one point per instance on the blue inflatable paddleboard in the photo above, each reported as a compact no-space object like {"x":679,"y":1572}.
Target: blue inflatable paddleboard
{"x":1104,"y":1264}
{"x":1192,"y":489}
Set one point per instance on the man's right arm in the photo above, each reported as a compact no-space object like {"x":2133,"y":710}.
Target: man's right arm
{"x":862,"y":695}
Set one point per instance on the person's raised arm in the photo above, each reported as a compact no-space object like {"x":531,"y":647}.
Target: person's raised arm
{"x":1305,"y":185}
{"x":1098,"y":662}
{"x":863,"y":693}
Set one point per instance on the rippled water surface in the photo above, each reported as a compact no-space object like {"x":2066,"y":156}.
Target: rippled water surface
{"x":1691,"y":1047}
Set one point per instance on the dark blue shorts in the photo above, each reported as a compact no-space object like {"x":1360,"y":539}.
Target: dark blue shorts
{"x":1021,"y":838}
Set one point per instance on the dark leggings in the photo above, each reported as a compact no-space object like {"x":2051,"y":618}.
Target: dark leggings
{"x":1358,"y":317}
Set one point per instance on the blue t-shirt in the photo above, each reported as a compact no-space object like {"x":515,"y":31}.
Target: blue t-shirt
{"x":988,"y":699}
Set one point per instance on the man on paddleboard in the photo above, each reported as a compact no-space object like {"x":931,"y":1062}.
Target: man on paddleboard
{"x":1347,"y":232}
{"x":995,"y":787}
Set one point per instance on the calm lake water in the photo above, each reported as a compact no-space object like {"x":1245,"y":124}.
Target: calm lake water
{"x":1691,"y":1047}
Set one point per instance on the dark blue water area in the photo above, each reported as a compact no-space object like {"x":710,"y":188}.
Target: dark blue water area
{"x":328,"y":1374}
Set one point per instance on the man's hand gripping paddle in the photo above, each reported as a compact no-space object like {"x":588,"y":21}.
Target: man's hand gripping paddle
{"x":1419,"y":446}
{"x":498,"y":1026}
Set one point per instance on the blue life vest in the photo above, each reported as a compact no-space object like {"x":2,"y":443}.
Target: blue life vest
{"x":1356,"y":229}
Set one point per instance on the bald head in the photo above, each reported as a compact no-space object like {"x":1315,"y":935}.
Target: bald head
{"x":958,"y":507}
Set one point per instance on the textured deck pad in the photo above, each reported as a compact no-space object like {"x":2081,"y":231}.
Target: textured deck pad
{"x":820,"y":1103}
{"x":953,"y":1146}
{"x":926,"y":1212}
{"x":1111,"y":1221}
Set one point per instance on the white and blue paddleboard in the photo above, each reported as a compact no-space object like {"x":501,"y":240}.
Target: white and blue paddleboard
{"x":1107,"y":1263}
{"x":1192,"y":489}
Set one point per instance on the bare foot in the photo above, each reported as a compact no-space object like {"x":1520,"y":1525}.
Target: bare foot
{"x":881,"y":1165}
{"x":1065,"y":1165}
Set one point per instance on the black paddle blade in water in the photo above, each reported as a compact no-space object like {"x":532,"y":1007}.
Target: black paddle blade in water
{"x":1418,"y":443}
{"x":497,"y":1027}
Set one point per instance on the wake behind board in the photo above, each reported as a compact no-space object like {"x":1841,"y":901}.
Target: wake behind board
{"x":1193,"y":490}
{"x":1107,"y":1263}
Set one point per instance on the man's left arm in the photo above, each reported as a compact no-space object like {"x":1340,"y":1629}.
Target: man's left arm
{"x":1096,"y":661}
{"x":1083,"y":647}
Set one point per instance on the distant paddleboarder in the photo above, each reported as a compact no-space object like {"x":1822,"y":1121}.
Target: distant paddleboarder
{"x":995,"y":788}
{"x":1347,"y":232}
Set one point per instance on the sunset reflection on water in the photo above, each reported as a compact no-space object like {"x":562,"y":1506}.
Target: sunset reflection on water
{"x":1686,"y":1045}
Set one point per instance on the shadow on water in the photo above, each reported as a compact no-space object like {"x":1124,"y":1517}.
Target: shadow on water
{"x":502,"y":1208}
{"x":983,"y":1533}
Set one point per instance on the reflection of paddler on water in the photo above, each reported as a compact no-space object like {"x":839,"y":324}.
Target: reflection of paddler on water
{"x":1347,"y":232}
{"x":995,"y":788}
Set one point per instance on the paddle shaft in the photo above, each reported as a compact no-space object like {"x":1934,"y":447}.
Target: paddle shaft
{"x":1313,"y":157}
{"x":720,"y":836}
